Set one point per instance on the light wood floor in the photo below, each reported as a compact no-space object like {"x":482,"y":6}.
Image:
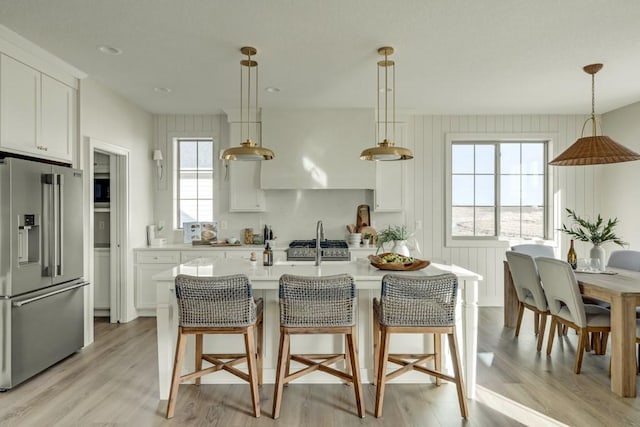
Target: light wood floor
{"x":113,"y":382}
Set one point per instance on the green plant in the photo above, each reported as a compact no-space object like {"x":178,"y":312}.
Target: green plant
{"x":389,"y":234}
{"x":595,"y":232}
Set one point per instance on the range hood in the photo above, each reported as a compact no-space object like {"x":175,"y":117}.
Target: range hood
{"x":318,"y":149}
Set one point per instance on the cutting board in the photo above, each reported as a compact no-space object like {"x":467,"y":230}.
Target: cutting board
{"x":362,"y":217}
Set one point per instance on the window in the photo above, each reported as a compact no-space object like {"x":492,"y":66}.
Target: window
{"x":194,"y":180}
{"x":497,"y":189}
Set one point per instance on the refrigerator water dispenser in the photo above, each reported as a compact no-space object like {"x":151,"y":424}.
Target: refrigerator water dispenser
{"x":28,"y":239}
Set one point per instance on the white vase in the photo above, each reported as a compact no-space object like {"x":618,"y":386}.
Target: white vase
{"x":597,"y":252}
{"x":400,"y":247}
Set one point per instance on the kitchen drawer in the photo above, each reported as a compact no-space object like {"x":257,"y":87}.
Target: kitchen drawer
{"x":158,"y":257}
{"x":190,"y":255}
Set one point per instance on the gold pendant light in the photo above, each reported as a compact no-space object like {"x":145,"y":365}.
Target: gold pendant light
{"x":386,"y":150}
{"x":594,"y":150}
{"x":247,"y":150}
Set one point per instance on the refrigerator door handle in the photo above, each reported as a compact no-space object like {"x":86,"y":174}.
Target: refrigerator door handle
{"x":47,"y":295}
{"x":56,"y":230}
{"x":47,"y":181}
{"x":60,"y":247}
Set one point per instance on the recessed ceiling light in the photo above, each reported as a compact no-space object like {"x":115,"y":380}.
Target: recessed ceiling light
{"x":109,"y":50}
{"x":162,"y":89}
{"x":272,"y":89}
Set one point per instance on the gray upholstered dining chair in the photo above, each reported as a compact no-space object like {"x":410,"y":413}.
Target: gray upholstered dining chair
{"x":317,"y":305}
{"x":422,"y":305}
{"x":218,"y":305}
{"x":529,"y":291}
{"x":534,"y":250}
{"x":625,"y":259}
{"x":567,"y":307}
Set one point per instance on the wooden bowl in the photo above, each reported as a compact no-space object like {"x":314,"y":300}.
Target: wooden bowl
{"x":417,"y":264}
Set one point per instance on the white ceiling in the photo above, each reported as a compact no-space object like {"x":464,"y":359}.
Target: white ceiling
{"x":452,"y":56}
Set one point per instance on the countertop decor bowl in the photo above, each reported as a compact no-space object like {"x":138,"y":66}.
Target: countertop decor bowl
{"x":417,"y":264}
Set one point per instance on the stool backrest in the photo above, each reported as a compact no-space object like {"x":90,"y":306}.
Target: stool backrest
{"x":526,"y":279}
{"x":534,"y":250}
{"x":626,"y":259}
{"x":561,"y":289}
{"x":215,"y":301}
{"x":418,"y":300}
{"x":326,"y":301}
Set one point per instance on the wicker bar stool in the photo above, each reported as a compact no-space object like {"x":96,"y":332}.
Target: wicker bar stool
{"x":411,"y":304}
{"x":317,"y":305}
{"x":218,"y":305}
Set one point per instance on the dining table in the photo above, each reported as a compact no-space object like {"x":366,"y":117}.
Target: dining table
{"x":621,"y":289}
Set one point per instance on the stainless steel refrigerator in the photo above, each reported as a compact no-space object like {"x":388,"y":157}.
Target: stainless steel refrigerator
{"x":41,"y":284}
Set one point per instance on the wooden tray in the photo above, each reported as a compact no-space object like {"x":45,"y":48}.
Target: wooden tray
{"x":417,"y":264}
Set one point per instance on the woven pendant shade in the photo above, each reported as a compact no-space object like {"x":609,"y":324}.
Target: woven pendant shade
{"x":594,"y":150}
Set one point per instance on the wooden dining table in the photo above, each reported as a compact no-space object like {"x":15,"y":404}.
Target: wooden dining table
{"x":622,"y":291}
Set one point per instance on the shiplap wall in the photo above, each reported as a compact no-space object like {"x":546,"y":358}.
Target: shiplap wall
{"x":574,"y":187}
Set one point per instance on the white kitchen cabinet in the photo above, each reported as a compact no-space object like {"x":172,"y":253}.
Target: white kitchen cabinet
{"x":245,"y":194}
{"x":19,"y":104}
{"x":101,"y":279}
{"x":58,"y":118}
{"x":148,"y":264}
{"x":37,"y":112}
{"x":389,"y":191}
{"x":187,"y":256}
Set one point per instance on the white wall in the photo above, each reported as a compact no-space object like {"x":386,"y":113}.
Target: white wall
{"x":108,"y":117}
{"x":622,"y":196}
{"x":293,"y":214}
{"x":575,"y":187}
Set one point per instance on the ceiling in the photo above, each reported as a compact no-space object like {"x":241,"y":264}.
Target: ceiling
{"x":452,"y":56}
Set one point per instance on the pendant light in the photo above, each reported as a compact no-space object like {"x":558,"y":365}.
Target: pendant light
{"x":594,"y":150}
{"x":247,"y":150}
{"x":386,"y":150}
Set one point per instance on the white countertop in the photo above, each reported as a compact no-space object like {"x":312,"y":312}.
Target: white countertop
{"x":259,"y":275}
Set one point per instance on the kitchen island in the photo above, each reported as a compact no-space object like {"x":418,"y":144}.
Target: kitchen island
{"x":265,"y":284}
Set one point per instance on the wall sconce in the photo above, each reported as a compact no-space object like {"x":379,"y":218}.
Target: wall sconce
{"x":157,"y":156}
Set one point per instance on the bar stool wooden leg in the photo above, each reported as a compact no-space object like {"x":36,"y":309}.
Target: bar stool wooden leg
{"x":181,"y":346}
{"x":249,"y":342}
{"x":283,"y":357}
{"x":352,"y":349}
{"x":536,"y":322}
{"x":437,"y":350}
{"x":260,"y":338}
{"x":543,"y":324}
{"x":198,"y":363}
{"x":347,"y":355}
{"x":462,"y":399}
{"x":376,"y":346}
{"x":382,"y":369}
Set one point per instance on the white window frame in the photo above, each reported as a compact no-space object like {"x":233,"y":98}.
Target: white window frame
{"x":174,"y":138}
{"x":496,"y":241}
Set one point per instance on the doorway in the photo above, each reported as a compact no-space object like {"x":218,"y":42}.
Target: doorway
{"x":108,"y":225}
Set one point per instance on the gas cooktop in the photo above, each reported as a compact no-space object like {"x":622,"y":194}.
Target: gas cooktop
{"x":305,"y":250}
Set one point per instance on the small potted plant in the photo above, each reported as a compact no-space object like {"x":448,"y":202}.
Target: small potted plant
{"x":366,"y":240}
{"x":398,"y":235}
{"x":597,"y":233}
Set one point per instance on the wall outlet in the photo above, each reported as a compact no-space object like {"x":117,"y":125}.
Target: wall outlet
{"x":101,"y":225}
{"x":224,"y":225}
{"x":418,"y":224}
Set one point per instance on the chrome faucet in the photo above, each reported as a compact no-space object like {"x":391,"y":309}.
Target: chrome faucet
{"x":319,"y":237}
